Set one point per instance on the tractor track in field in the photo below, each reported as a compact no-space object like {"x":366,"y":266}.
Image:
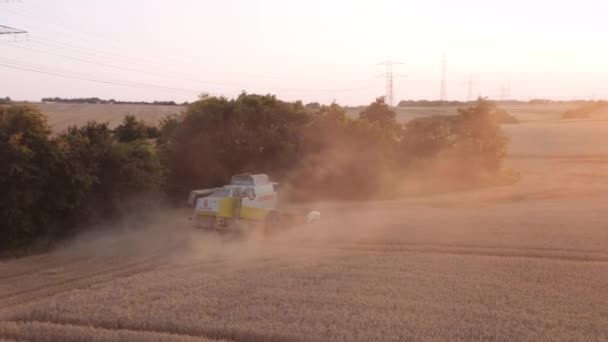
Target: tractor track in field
{"x":20,"y":330}
{"x":559,"y":254}
{"x":76,"y":276}
{"x":61,"y":330}
{"x":77,"y":281}
{"x":9,"y":302}
{"x":56,"y":272}
{"x":36,"y":267}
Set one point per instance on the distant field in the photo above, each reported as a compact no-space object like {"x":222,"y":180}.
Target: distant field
{"x":62,"y":115}
{"x":524,"y":112}
{"x":524,"y":262}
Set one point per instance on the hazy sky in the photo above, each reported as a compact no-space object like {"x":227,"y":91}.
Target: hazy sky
{"x":308,"y":50}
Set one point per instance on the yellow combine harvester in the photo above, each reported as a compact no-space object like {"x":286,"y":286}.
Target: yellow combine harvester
{"x":248,"y":199}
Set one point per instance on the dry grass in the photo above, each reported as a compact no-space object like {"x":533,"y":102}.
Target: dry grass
{"x":523,"y":112}
{"x":525,"y":262}
{"x":62,"y":115}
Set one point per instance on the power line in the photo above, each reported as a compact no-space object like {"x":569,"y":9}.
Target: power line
{"x":470,"y":83}
{"x":505,"y":90}
{"x":6,"y":30}
{"x":113,"y":66}
{"x":10,"y":30}
{"x":79,"y":34}
{"x":77,"y":52}
{"x":388,"y":75}
{"x":179,"y":78}
{"x":13,"y":64}
{"x":39,"y":70}
{"x":443,"y":94}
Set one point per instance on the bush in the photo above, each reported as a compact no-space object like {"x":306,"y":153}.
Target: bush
{"x":31,"y":204}
{"x":133,"y":129}
{"x":322,"y":152}
{"x":479,"y":139}
{"x":473,"y":137}
{"x":380,"y":113}
{"x":53,"y":186}
{"x":341,"y":157}
{"x":426,"y":137}
{"x":217,"y":138}
{"x":111,"y":171}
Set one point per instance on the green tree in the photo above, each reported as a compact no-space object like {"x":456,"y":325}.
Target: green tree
{"x":341,"y":157}
{"x":313,"y":106}
{"x":167,"y":127}
{"x":472,"y":137}
{"x":110,"y":172}
{"x":131,"y":129}
{"x":479,"y":138}
{"x":218,"y":137}
{"x":30,"y":205}
{"x":380,"y":113}
{"x":426,"y":137}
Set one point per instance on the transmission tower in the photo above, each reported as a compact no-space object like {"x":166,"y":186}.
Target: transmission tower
{"x":389,"y":75}
{"x":470,"y":82}
{"x":5,"y":30}
{"x":443,"y":95}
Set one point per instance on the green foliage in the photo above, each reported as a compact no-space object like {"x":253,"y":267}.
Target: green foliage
{"x":426,"y":137}
{"x":218,"y":137}
{"x":52,"y":186}
{"x":167,"y":126}
{"x":29,"y":204}
{"x":473,"y":137}
{"x":129,"y":176}
{"x":313,"y":106}
{"x":337,"y":153}
{"x":132,"y":129}
{"x":479,"y":138}
{"x":322,"y":150}
{"x":110,"y":171}
{"x":378,"y":112}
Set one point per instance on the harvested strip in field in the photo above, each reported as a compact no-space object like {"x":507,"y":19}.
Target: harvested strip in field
{"x":67,"y":333}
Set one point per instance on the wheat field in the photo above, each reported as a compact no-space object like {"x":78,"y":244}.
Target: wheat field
{"x":520,"y":262}
{"x":62,"y":115}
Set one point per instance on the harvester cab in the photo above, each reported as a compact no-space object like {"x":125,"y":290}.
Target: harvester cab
{"x":249,"y":198}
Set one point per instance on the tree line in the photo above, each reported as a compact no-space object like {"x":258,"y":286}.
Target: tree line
{"x":96,"y":100}
{"x":56,"y":184}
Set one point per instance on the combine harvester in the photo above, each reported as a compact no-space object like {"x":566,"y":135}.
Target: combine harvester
{"x":248,"y":201}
